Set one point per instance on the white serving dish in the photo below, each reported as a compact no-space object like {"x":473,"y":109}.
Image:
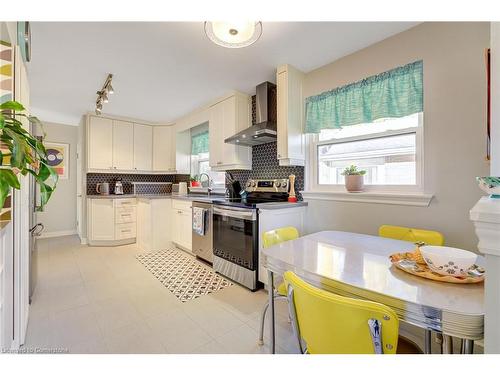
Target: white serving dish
{"x":448,"y":261}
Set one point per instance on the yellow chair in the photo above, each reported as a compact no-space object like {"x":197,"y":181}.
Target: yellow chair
{"x":430,"y":237}
{"x":330,"y":324}
{"x":271,"y":238}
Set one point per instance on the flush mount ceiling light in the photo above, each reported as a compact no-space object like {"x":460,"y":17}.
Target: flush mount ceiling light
{"x":233,"y":34}
{"x":103,"y":94}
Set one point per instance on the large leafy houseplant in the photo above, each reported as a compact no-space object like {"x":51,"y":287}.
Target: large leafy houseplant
{"x":22,"y":153}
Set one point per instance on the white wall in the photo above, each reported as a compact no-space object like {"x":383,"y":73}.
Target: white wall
{"x":59,"y":216}
{"x":454,"y":128}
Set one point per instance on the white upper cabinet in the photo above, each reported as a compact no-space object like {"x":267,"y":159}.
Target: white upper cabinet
{"x":163,"y":149}
{"x":290,"y":126}
{"x":100,"y":143}
{"x":123,"y":145}
{"x":131,"y":147}
{"x":182,"y":152}
{"x":228,"y":117}
{"x":143,"y":147}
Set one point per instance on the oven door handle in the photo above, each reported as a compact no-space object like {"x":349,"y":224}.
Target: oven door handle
{"x":245,"y":215}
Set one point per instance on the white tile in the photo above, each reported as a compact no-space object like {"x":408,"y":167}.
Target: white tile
{"x":185,"y":343}
{"x":115,"y":313}
{"x":74,"y":326}
{"x":101,"y":299}
{"x":211,"y":347}
{"x":242,"y":340}
{"x":214,"y":319}
{"x":133,"y":339}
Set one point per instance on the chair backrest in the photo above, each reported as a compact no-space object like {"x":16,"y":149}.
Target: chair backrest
{"x":276,"y":236}
{"x":332,"y":324}
{"x":430,"y":237}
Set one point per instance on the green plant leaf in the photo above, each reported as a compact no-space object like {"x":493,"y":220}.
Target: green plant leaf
{"x":10,"y":178}
{"x":2,"y":121}
{"x":4,"y":191}
{"x":45,"y":193}
{"x":44,"y":172}
{"x":12,"y":105}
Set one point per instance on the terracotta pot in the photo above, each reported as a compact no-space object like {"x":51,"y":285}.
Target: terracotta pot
{"x":354,"y":183}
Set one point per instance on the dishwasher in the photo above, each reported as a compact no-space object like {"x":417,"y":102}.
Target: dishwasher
{"x":203,"y":243}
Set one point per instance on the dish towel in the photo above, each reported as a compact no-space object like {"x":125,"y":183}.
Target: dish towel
{"x":199,"y":220}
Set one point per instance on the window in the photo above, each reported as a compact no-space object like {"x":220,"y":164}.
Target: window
{"x":200,"y":164}
{"x":388,"y":149}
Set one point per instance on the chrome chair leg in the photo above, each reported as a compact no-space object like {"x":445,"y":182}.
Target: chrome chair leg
{"x":468,"y":346}
{"x":263,"y":318}
{"x":427,"y":342}
{"x":447,"y":344}
{"x":262,"y":323}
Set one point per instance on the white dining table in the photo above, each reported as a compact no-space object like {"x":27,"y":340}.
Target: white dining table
{"x":358,"y":265}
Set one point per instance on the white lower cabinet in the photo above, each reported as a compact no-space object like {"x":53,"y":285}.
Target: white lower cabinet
{"x":111,"y":221}
{"x":101,"y":220}
{"x":278,"y":218}
{"x":154,"y":221}
{"x":182,"y":223}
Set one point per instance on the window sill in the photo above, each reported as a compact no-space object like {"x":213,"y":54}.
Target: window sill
{"x":405,"y":199}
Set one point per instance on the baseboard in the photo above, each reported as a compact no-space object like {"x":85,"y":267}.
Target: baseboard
{"x":58,"y":233}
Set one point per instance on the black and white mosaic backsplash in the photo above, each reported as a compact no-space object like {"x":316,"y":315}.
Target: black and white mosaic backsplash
{"x":94,"y":178}
{"x":265,"y":165}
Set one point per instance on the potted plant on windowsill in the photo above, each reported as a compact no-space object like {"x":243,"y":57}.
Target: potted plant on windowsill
{"x":194,"y":181}
{"x":354,"y":179}
{"x":22,"y":153}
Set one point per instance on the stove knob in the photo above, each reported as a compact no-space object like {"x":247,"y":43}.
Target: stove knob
{"x":254,"y":184}
{"x":278,"y":184}
{"x":249,"y":184}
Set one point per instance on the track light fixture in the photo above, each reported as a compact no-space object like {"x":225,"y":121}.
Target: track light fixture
{"x":102,"y":95}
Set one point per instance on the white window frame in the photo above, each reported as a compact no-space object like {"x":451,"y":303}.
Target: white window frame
{"x":372,"y":193}
{"x":216,"y":186}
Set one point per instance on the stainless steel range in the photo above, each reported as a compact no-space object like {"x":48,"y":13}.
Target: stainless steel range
{"x":236,"y":230}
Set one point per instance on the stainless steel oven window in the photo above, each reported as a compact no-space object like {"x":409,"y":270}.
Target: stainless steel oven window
{"x":236,"y":236}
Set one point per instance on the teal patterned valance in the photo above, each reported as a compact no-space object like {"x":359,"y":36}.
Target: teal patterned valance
{"x":199,"y":143}
{"x":396,"y":93}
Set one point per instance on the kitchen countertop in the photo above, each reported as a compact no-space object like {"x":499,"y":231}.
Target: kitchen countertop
{"x":198,"y":198}
{"x":124,"y":196}
{"x":280,"y":205}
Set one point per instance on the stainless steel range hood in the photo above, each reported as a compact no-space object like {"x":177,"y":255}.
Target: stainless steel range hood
{"x":264,"y":131}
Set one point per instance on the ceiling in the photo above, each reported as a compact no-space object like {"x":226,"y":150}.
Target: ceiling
{"x":165,"y":70}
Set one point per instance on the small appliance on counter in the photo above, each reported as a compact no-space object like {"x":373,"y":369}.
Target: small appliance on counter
{"x":183,"y":190}
{"x":233,"y":186}
{"x":179,"y":189}
{"x":102,"y":188}
{"x":118,"y":186}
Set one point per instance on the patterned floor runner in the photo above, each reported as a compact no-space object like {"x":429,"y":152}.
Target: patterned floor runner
{"x":182,"y":274}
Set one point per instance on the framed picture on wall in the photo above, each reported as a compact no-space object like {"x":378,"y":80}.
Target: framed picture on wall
{"x":58,"y":157}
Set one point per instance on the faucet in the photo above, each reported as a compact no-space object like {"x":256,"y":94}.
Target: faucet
{"x":209,"y":181}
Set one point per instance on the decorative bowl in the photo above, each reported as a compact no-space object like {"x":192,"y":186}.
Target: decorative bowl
{"x":448,"y":261}
{"x":490,"y":185}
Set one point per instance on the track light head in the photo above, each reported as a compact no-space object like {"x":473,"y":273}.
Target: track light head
{"x":102,"y":95}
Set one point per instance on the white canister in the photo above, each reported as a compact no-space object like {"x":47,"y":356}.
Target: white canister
{"x":183,"y":188}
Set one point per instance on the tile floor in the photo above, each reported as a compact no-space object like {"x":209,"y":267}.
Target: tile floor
{"x":102,"y":300}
